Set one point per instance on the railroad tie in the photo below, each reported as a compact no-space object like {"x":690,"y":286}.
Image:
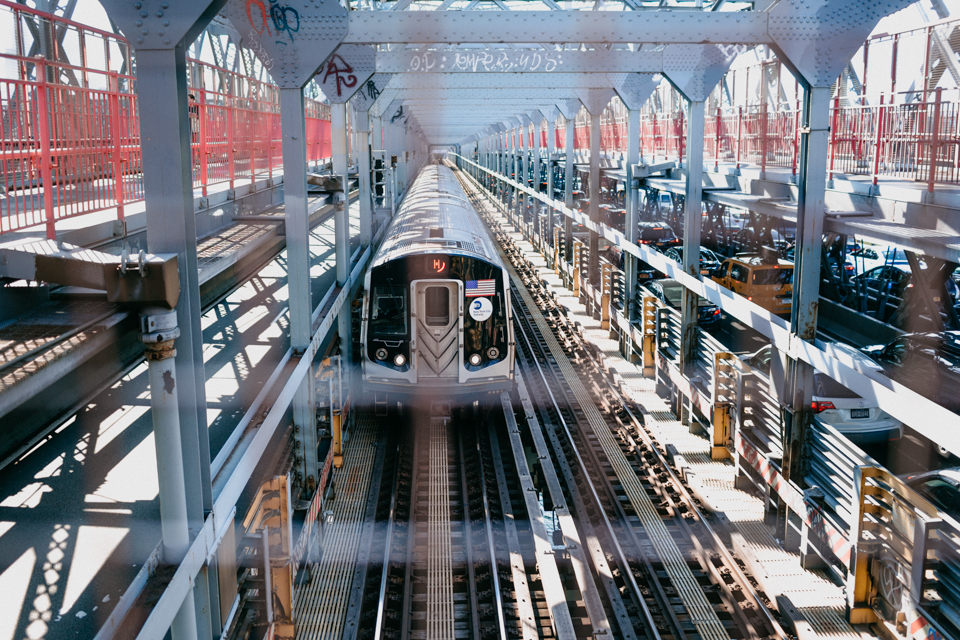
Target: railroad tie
{"x":701,"y":612}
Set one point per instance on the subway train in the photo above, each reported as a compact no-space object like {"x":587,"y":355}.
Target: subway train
{"x":436,"y":318}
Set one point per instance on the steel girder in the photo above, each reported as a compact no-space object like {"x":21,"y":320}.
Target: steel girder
{"x":500,"y":80}
{"x":454,"y":27}
{"x":545,"y":61}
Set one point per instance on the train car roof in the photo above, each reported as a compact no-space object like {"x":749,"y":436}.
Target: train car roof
{"x":436,"y":217}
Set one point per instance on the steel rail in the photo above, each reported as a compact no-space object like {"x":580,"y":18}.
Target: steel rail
{"x":718,"y":544}
{"x":619,"y":553}
{"x":690,"y":503}
{"x":381,"y":606}
{"x":467,"y":535}
{"x":488,"y":531}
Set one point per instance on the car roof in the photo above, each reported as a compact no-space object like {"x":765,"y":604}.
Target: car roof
{"x":854,"y":353}
{"x":755,"y":260}
{"x":893,"y":265}
{"x":952,"y":473}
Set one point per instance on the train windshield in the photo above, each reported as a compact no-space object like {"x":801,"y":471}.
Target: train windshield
{"x":389,"y":313}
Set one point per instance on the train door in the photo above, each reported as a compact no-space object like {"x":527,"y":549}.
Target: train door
{"x":437,"y":328}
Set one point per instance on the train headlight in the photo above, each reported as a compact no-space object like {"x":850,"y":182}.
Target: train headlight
{"x":399,"y":360}
{"x":493,"y":353}
{"x":381,"y":354}
{"x":475,"y":359}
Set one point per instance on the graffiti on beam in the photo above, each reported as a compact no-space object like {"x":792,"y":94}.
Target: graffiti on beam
{"x":486,"y":61}
{"x":285,"y":20}
{"x":342,"y":73}
{"x":259,"y":51}
{"x":369,"y":91}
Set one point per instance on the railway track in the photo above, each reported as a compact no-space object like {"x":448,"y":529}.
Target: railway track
{"x":663,"y":573}
{"x":451,"y":562}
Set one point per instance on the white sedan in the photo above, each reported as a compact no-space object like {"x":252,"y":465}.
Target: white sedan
{"x":860,"y":420}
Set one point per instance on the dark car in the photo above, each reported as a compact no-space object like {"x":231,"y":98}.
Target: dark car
{"x":669,"y":292}
{"x":890,"y":278}
{"x":709,"y":262}
{"x":941,"y":488}
{"x":928,"y":363}
{"x":658,"y":235}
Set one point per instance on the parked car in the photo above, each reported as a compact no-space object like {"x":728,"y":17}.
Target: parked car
{"x":928,"y":363}
{"x":709,"y":262}
{"x":892,"y":278}
{"x":941,"y":487}
{"x":763,"y":278}
{"x":860,"y":420}
{"x":658,"y":235}
{"x":669,"y":292}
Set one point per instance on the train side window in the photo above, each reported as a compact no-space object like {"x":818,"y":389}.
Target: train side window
{"x":389,"y":311}
{"x":437,"y":306}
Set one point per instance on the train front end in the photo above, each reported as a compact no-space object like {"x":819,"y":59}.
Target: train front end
{"x":437,"y":324}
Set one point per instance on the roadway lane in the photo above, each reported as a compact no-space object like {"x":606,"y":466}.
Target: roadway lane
{"x":79,"y":513}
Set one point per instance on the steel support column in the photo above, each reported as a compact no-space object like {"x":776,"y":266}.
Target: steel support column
{"x":631,"y":218}
{"x":338,"y":134}
{"x":536,"y":231}
{"x":159,"y":331}
{"x":171,"y":228}
{"x":568,"y":186}
{"x":692,"y":211}
{"x":296,"y":221}
{"x":338,"y":145}
{"x":363,"y":168}
{"x":812,"y":185}
{"x":593,"y":268}
{"x":551,"y":151}
{"x":524,"y":173}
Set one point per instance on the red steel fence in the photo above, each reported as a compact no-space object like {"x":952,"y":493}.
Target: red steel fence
{"x":70,"y":135}
{"x":916,"y":141}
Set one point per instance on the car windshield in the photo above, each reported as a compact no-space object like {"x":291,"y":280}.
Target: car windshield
{"x":388,"y":315}
{"x":942,"y":494}
{"x":656,"y":233}
{"x":672,"y":293}
{"x":827,"y":387}
{"x":773,"y":276}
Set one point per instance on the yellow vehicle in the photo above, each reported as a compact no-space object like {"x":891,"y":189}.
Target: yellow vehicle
{"x":764,"y":279}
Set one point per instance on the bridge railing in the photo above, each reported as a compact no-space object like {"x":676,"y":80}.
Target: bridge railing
{"x":70,"y":135}
{"x":918,"y":141}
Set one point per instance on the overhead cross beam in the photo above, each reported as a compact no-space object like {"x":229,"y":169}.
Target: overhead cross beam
{"x":660,"y":27}
{"x":499,"y":81}
{"x":544,"y":61}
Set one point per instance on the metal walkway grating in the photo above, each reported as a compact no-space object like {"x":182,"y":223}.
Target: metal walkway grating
{"x":439,"y":549}
{"x":321,"y":606}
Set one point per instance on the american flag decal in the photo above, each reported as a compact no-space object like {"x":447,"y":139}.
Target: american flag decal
{"x":477,"y":288}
